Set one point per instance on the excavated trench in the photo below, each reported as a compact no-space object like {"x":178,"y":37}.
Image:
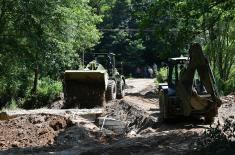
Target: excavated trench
{"x":127,"y":126}
{"x":22,"y":132}
{"x":137,"y":111}
{"x":55,"y":129}
{"x":124,"y":116}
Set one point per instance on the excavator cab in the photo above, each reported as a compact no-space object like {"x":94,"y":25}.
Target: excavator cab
{"x":175,"y":68}
{"x":170,"y":106}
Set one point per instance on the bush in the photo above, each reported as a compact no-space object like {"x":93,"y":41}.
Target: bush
{"x":228,"y":86}
{"x":48,"y":91}
{"x":12,"y":105}
{"x":13,"y":87}
{"x":161,"y":75}
{"x":219,"y":139}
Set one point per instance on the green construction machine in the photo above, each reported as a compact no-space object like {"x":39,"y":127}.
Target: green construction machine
{"x":93,"y":86}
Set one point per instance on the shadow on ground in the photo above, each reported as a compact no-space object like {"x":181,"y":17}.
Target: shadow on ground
{"x":77,"y":140}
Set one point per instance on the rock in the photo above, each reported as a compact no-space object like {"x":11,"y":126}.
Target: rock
{"x":112,"y":124}
{"x":5,"y":116}
{"x":15,"y":144}
{"x":57,"y":124}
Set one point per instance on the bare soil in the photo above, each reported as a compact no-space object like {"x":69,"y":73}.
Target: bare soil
{"x":31,"y":130}
{"x":71,"y":132}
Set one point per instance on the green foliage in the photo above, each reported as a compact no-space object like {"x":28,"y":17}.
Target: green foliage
{"x":161,"y":75}
{"x":117,"y":38}
{"x":48,"y":91}
{"x":227,"y":86}
{"x":13,"y":84}
{"x":177,"y":23}
{"x":218,"y":139}
{"x":12,"y":105}
{"x":42,"y":38}
{"x":165,"y":28}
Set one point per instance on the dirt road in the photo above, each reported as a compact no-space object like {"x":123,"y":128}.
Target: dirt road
{"x":142,"y":92}
{"x":139,"y":86}
{"x":94,"y":131}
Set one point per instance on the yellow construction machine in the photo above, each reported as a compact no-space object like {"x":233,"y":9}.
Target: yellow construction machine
{"x":93,"y":86}
{"x":190,"y":89}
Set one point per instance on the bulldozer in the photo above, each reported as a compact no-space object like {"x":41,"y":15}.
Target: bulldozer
{"x":190,"y":88}
{"x":95,"y":85}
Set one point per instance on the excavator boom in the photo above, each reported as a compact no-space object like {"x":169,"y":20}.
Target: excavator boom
{"x":181,"y":94}
{"x":199,"y":63}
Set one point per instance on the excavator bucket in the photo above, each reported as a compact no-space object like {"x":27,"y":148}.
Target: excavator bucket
{"x":85,"y":88}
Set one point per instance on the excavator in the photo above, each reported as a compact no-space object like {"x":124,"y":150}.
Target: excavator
{"x":190,"y":89}
{"x":93,"y":86}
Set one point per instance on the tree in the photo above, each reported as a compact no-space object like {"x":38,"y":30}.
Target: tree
{"x":45,"y":37}
{"x":117,"y":38}
{"x":211,"y":23}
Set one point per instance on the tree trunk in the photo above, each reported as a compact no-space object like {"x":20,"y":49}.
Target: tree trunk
{"x":35,"y":81}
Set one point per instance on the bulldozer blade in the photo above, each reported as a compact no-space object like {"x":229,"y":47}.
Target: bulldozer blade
{"x":84,"y":89}
{"x":87,"y":76}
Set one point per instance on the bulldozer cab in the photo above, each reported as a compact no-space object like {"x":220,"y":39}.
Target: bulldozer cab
{"x":107,"y":60}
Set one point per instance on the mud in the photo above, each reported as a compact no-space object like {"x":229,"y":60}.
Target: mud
{"x":72,"y":133}
{"x":135,"y":117}
{"x":31,"y":130}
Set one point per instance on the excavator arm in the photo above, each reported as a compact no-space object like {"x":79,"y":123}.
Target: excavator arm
{"x":187,"y":94}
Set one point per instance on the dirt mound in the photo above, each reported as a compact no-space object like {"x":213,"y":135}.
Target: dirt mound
{"x":139,"y":111}
{"x":31,"y":130}
{"x":227,"y":109}
{"x":229,"y":99}
{"x":141,"y":87}
{"x":136,"y":118}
